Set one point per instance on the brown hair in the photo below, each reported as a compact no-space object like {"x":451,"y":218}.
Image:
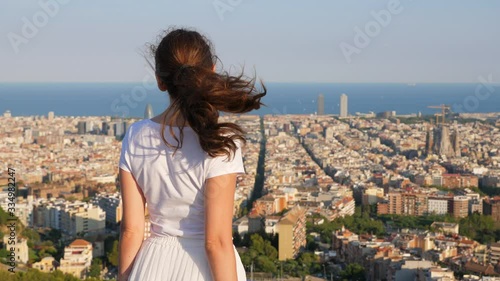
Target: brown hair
{"x":184,"y":63}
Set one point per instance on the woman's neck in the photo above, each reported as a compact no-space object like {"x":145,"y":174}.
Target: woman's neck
{"x":179,"y":122}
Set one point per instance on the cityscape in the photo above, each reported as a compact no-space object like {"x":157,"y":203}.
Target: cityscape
{"x":372,"y":140}
{"x":375,"y":196}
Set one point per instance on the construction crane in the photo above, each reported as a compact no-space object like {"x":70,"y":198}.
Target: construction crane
{"x":443,"y":108}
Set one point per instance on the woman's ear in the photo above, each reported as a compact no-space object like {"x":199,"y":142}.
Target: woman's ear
{"x":160,"y":83}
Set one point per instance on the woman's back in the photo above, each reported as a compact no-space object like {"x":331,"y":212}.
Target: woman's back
{"x":173,"y":184}
{"x":186,"y":177}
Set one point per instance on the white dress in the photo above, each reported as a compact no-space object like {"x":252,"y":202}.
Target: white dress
{"x":173,"y":185}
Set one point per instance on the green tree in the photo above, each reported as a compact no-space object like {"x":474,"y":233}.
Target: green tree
{"x":113,"y":255}
{"x":309,"y":262}
{"x":353,"y":271}
{"x":311,"y":244}
{"x":33,"y":256}
{"x":95,"y":268}
{"x":261,"y":253}
{"x":33,"y":274}
{"x":31,"y":234}
{"x":266,"y":264}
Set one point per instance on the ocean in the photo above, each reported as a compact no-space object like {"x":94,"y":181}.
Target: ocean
{"x":130,"y":99}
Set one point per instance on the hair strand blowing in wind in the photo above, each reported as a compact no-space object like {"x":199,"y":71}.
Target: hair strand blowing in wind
{"x":185,"y":63}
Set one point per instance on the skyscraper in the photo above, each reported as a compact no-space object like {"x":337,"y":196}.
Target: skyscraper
{"x":429,"y":141}
{"x":455,"y":142}
{"x":105,"y":128}
{"x":50,"y":116}
{"x":82,"y":127}
{"x":148,"y":113}
{"x":343,"y":105}
{"x":321,"y":104}
{"x":119,"y":128}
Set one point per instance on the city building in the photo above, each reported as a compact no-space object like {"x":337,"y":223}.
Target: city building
{"x":105,"y":128}
{"x":491,"y":207}
{"x":241,"y":225}
{"x":271,"y":224}
{"x":77,"y":258}
{"x":395,"y":203}
{"x":343,"y":106}
{"x":446,"y":227}
{"x":24,"y":209}
{"x":50,"y":115}
{"x":414,"y":204}
{"x":342,"y":207}
{"x":256,"y":221}
{"x":46,"y":264}
{"x":321,"y":104}
{"x":460,"y":206}
{"x":70,"y":217}
{"x":440,"y":205}
{"x":268,"y":205}
{"x":494,"y":253}
{"x":459,"y":181}
{"x":442,"y":142}
{"x":119,"y":128}
{"x":372,"y":195}
{"x":383,"y":207}
{"x":292,"y":233}
{"x":21,"y":248}
{"x":82,"y":127}
{"x":111,"y":204}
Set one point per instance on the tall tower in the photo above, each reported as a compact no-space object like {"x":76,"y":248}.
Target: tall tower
{"x":455,"y":139}
{"x":343,"y":105}
{"x":429,"y":141}
{"x":105,"y":128}
{"x":82,"y":127}
{"x":148,"y":113}
{"x":119,"y":128}
{"x":321,"y":104}
{"x":50,"y":116}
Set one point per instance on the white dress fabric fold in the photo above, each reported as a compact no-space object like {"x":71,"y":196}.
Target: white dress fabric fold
{"x":172,"y":258}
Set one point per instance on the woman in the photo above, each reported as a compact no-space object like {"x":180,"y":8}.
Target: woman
{"x":183,"y":164}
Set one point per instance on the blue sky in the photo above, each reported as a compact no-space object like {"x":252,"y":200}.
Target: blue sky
{"x":285,"y":40}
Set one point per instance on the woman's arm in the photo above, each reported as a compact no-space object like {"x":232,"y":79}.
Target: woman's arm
{"x":219,"y":201}
{"x":132,"y":224}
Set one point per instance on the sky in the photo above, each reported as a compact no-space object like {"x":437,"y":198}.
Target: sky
{"x":282,"y":40}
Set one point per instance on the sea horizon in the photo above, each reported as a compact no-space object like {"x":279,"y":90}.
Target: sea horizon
{"x":129,"y":99}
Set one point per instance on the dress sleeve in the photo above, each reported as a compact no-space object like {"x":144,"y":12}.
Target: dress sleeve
{"x":125,"y":153}
{"x":220,"y":165}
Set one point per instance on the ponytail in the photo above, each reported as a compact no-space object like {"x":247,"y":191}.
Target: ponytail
{"x":184,"y":63}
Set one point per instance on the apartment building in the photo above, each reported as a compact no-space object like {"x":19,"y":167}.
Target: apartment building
{"x":77,"y":258}
{"x":292,"y":230}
